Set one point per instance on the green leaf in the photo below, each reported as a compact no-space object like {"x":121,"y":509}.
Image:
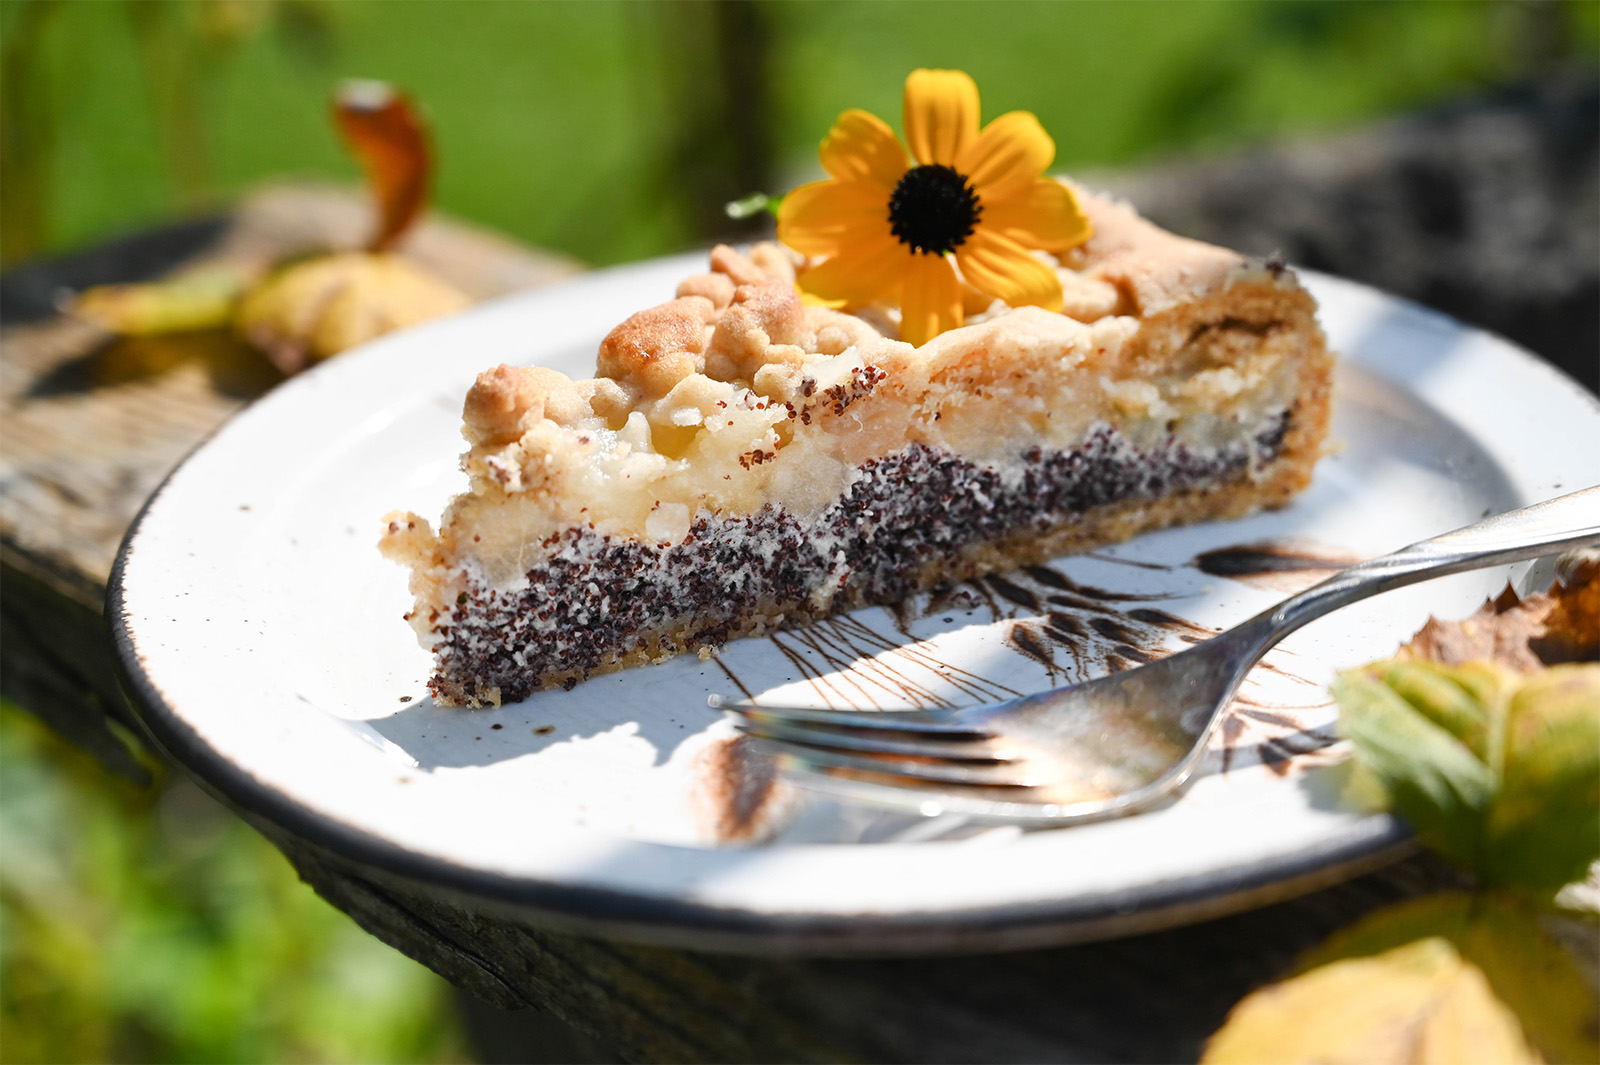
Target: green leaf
{"x":753,"y":204}
{"x":1457,"y":699}
{"x":1543,"y":829}
{"x":1433,"y":779}
{"x":1495,"y":770}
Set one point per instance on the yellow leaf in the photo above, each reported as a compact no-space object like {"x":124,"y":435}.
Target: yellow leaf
{"x":203,"y":300}
{"x":321,"y":306}
{"x":1420,"y":1003}
{"x":1449,"y":978}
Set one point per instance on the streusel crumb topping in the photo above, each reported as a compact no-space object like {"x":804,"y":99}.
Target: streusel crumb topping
{"x":734,"y":394}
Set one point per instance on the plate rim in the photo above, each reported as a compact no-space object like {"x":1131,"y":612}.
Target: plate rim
{"x":589,"y":908}
{"x":676,"y":922}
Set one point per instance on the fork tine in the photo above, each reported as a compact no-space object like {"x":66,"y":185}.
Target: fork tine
{"x":815,"y":759}
{"x":876,"y":742}
{"x":925,"y":722}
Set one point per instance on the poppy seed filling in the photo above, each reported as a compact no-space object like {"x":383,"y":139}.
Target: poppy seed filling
{"x":598,"y":600}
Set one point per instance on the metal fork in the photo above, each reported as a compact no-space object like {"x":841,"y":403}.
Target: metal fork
{"x":1118,"y":743}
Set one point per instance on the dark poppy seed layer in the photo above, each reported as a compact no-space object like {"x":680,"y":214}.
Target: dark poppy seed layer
{"x":910,"y":520}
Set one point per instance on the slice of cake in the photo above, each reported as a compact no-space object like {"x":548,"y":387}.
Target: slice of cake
{"x":743,"y":460}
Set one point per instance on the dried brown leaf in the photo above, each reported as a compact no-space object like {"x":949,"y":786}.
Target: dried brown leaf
{"x":1527,"y":635}
{"x":1572,"y":627}
{"x":389,"y":140}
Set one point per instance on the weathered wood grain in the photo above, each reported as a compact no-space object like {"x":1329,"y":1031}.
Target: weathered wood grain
{"x":1153,"y":997}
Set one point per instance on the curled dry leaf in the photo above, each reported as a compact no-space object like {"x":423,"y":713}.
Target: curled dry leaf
{"x":1561,"y":625}
{"x":1572,"y":627}
{"x":317,"y":308}
{"x":382,"y":130}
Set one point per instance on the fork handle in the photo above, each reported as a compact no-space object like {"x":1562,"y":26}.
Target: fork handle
{"x":1515,"y":536}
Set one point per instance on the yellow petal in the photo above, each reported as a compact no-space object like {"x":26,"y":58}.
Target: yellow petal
{"x":1007,"y":157}
{"x":1003,"y":268}
{"x":930,"y":299}
{"x":1045,"y":215}
{"x":826,"y":217}
{"x":974,"y":301}
{"x":859,"y":274}
{"x":941,"y":115}
{"x":807,"y":299}
{"x":862,"y":147}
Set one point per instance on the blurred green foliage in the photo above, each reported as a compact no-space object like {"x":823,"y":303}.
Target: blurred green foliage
{"x":607,"y":130}
{"x":1495,"y":770}
{"x":149,"y":924}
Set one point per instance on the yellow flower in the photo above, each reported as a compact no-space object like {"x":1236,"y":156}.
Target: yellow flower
{"x":887,"y":229}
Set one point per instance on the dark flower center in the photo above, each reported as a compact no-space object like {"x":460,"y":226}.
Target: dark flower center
{"x":933,"y":209}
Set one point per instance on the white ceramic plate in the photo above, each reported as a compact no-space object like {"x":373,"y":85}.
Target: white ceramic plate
{"x":260,"y":634}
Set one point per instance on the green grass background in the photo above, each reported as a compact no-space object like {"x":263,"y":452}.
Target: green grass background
{"x":148,"y":924}
{"x":563,"y":123}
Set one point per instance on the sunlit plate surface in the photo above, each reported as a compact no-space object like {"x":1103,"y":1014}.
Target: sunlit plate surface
{"x":262,"y":638}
